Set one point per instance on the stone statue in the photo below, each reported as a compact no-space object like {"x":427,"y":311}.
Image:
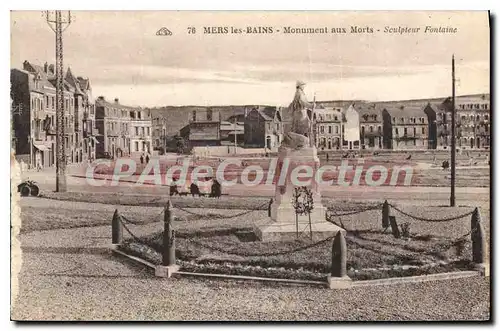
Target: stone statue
{"x":298,"y":137}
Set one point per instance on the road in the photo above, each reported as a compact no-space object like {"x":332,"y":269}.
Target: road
{"x":464,"y":195}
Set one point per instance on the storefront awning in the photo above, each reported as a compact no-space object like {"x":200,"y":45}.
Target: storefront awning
{"x":41,"y":147}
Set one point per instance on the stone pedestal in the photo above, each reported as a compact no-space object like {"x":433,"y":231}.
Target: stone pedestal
{"x":305,"y":162}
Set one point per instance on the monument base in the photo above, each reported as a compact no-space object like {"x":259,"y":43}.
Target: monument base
{"x":288,"y":231}
{"x":339,"y":282}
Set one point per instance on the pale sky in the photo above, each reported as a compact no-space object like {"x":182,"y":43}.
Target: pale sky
{"x":123,"y":57}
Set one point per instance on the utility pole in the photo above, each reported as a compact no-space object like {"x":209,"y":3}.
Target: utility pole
{"x":235,"y":130}
{"x":453,"y":138}
{"x":58,"y":24}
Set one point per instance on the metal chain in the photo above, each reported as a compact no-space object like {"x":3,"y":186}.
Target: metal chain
{"x":423,"y":219}
{"x":151,"y":220}
{"x":263,"y":254}
{"x":133,"y":235}
{"x":357,"y":211}
{"x":224,"y":216}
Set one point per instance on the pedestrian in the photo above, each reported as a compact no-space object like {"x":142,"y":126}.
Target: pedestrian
{"x":147,"y":158}
{"x":142,"y":159}
{"x":216,"y":189}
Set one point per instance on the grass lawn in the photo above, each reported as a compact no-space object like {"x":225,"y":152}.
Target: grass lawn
{"x":230,"y":247}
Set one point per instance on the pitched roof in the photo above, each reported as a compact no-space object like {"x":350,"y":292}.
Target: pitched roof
{"x":104,"y":103}
{"x":72,"y":81}
{"x":84,"y":83}
{"x":409,"y":111}
{"x":369,"y":109}
{"x":39,"y":72}
{"x":268,"y":113}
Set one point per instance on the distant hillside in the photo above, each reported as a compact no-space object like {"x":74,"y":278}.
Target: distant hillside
{"x":178,"y":116}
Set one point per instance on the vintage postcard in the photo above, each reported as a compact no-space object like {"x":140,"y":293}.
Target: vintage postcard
{"x":250,"y":166}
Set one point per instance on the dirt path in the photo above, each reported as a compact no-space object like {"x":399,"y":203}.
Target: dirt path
{"x":70,"y":274}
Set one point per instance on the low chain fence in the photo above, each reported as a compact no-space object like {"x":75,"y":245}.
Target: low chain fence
{"x":424,"y":219}
{"x":476,"y":233}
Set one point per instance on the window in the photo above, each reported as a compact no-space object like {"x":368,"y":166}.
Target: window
{"x":322,"y":129}
{"x":148,"y":130}
{"x":136,"y":130}
{"x":209,"y":115}
{"x":371,"y":128}
{"x":194,"y":115}
{"x":402,"y":120}
{"x":379,"y":129}
{"x":136,"y":146}
{"x":277,"y":126}
{"x":486,"y":117}
{"x":397,"y":132}
{"x":330,"y":129}
{"x":336,"y":129}
{"x":53,"y":102}
{"x":423,"y":130}
{"x":142,"y":131}
{"x":414,"y":131}
{"x":139,"y":114}
{"x":406,"y":131}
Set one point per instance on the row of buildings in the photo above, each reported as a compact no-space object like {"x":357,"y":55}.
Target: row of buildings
{"x":100,"y":128}
{"x":402,"y":125}
{"x":92,"y":128}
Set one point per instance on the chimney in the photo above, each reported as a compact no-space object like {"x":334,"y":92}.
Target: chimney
{"x":51,"y":69}
{"x":46,"y":67}
{"x":26,"y":65}
{"x":117,"y":100}
{"x":101,"y":97}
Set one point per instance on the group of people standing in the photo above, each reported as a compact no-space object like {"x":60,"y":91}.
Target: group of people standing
{"x":144,"y":157}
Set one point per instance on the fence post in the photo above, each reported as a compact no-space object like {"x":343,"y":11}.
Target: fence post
{"x":479,"y":245}
{"x":394,"y":227}
{"x":269,"y":207}
{"x":386,"y":210}
{"x":338,"y":276}
{"x":116,"y":229}
{"x":168,"y":266}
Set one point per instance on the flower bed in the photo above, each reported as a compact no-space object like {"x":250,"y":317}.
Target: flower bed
{"x":370,"y":255}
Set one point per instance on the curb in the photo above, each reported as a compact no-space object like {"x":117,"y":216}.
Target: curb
{"x":417,"y":279}
{"x":359,"y":283}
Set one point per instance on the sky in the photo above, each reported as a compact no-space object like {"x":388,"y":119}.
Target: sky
{"x":124,"y":58}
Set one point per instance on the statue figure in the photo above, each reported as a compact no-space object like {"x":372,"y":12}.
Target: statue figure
{"x":298,"y":137}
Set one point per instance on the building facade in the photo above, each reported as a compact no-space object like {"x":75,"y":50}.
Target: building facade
{"x":140,"y":132}
{"x":327,"y":128}
{"x":159,"y":132}
{"x":350,"y":129}
{"x":472,"y":119}
{"x":126,"y":130}
{"x":405,"y":128}
{"x":371,"y":124}
{"x":264,"y":128}
{"x":203,"y":128}
{"x":33,"y":96}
